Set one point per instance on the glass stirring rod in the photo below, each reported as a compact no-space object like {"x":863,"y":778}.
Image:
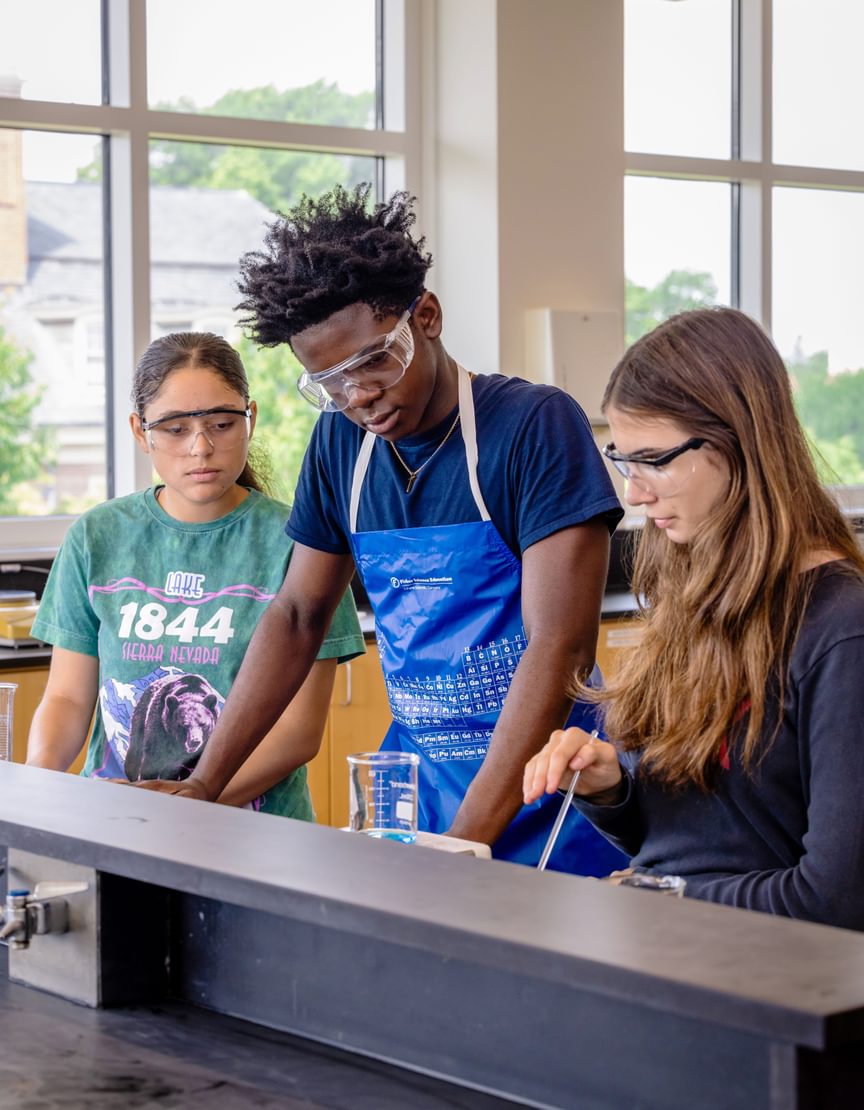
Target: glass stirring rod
{"x":562,"y":813}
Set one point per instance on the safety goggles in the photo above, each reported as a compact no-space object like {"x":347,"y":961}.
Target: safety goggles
{"x":378,"y":366}
{"x":662,"y":475}
{"x":223,"y":428}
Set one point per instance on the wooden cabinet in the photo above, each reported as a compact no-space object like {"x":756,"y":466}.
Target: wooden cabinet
{"x":359,"y":717}
{"x":614,"y":636}
{"x":31,"y":686}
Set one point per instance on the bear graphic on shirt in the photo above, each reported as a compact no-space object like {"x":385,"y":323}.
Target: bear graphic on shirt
{"x":170,"y":726}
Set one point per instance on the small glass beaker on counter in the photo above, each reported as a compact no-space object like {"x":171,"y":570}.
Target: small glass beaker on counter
{"x":7,"y":696}
{"x":382,"y":789}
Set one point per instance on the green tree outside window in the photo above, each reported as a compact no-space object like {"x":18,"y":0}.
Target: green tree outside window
{"x":25,"y":450}
{"x":285,"y":420}
{"x":831,"y":406}
{"x":276,"y":178}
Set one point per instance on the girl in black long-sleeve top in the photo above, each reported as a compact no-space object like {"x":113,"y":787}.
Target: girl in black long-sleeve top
{"x":738,"y":721}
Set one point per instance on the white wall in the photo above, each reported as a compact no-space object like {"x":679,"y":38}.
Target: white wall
{"x":529,"y":170}
{"x":467,"y":220}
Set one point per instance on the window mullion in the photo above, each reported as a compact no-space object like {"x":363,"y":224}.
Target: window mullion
{"x":767,"y":157}
{"x":127,"y":206}
{"x":751,"y":256}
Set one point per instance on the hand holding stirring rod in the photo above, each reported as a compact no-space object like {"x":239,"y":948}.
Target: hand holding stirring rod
{"x":574,"y":749}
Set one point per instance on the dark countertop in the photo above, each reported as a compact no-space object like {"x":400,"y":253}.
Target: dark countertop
{"x":744,"y":968}
{"x":557,"y":990}
{"x":20,"y":659}
{"x":618,"y":605}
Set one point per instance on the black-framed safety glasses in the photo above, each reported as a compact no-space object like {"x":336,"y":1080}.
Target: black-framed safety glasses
{"x":656,"y":473}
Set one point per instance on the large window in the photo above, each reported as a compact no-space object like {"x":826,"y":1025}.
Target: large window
{"x":745,"y":157}
{"x":676,"y":248}
{"x":669,"y":52}
{"x":52,"y":342}
{"x":142,"y":151}
{"x":322,"y":53}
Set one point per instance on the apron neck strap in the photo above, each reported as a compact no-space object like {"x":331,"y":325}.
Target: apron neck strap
{"x":360,"y":467}
{"x":469,"y":437}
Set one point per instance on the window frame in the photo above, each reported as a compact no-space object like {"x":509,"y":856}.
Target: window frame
{"x":127,"y":124}
{"x":751,"y":172}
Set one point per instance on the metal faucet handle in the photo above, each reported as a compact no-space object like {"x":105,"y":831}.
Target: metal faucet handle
{"x":55,"y":888}
{"x":42,"y":910}
{"x":9,"y":928}
{"x":15,"y":932}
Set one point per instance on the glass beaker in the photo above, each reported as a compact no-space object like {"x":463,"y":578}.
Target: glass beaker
{"x":382,"y":788}
{"x":7,"y":695}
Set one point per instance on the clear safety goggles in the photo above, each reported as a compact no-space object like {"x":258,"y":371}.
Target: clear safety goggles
{"x":177,"y":434}
{"x":378,"y":366}
{"x":661,"y":475}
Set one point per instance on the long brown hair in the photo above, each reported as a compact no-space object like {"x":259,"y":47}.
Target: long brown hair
{"x":198,"y":350}
{"x":721,"y":613}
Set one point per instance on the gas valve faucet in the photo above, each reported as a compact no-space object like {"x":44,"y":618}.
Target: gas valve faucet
{"x":45,"y":910}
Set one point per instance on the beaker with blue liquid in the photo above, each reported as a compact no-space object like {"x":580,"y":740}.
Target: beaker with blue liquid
{"x":382,"y":789}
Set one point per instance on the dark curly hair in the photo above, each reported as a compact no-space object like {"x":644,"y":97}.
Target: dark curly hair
{"x":325,"y":254}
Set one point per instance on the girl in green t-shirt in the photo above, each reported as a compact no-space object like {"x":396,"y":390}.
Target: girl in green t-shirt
{"x":153,"y":598}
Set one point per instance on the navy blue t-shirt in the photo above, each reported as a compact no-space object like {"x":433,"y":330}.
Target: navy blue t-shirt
{"x":539,"y":471}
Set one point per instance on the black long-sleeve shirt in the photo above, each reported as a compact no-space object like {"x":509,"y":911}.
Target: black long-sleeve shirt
{"x":787,"y":837}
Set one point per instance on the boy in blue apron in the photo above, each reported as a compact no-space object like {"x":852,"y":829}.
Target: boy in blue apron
{"x":475,"y":508}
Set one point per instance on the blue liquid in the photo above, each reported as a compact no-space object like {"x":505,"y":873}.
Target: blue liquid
{"x":392,"y":834}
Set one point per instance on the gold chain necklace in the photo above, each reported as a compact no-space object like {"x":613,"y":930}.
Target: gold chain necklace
{"x":412,"y":474}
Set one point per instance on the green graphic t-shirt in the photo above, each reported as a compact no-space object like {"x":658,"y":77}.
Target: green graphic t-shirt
{"x":169,"y":608}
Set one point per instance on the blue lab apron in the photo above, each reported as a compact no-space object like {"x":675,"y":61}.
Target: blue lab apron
{"x":448,"y":618}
